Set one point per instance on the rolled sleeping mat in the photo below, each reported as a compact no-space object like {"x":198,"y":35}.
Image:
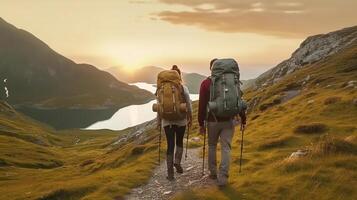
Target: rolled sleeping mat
{"x":155,"y":107}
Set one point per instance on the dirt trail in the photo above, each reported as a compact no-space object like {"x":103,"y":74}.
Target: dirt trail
{"x":159,"y":187}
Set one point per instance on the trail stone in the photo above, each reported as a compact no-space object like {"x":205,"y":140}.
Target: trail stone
{"x":196,"y":139}
{"x":159,"y":187}
{"x":298,"y":154}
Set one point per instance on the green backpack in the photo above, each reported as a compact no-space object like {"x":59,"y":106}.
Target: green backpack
{"x":225,"y":94}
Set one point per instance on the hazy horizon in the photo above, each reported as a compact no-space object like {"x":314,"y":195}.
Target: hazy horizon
{"x":189,"y":33}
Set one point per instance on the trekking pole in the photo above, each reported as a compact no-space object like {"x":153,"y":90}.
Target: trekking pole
{"x":204,"y":150}
{"x":241,"y":148}
{"x":159,"y":145}
{"x":188,"y":132}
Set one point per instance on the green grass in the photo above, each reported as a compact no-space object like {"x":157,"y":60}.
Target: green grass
{"x":37,"y":162}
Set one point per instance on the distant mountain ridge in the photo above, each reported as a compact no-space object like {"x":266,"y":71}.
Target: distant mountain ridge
{"x":149,"y":75}
{"x":38,"y":76}
{"x":313,"y":49}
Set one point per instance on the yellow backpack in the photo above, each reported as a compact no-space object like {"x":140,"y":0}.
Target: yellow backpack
{"x":171,"y":102}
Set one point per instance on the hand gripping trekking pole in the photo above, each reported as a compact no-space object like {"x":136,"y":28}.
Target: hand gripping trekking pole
{"x":159,"y":145}
{"x":241,"y":148}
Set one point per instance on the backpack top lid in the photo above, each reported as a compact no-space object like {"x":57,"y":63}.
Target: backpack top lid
{"x":223,"y":66}
{"x":168,"y":76}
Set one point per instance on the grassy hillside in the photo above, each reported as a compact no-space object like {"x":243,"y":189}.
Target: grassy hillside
{"x":315,"y":114}
{"x":314,"y":110}
{"x":38,"y":76}
{"x":38,"y":163}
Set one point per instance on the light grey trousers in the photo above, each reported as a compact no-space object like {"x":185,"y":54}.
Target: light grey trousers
{"x":224,"y":132}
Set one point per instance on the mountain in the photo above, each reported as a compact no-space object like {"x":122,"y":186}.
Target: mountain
{"x":149,"y":75}
{"x":247,"y":84}
{"x":38,"y":76}
{"x":313,"y":49}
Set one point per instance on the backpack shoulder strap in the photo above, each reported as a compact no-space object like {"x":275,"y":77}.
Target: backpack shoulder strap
{"x":183,"y":93}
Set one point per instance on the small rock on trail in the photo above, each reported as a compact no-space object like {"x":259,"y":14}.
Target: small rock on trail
{"x":159,"y":187}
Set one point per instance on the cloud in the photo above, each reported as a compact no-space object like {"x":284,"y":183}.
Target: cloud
{"x":295,"y":18}
{"x":139,"y":1}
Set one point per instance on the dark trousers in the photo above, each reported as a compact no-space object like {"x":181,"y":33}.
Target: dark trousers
{"x":172,"y":132}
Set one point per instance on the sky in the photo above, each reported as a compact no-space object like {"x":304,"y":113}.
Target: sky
{"x":259,"y":34}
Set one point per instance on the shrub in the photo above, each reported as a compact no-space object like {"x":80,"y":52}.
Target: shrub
{"x":265,"y":106}
{"x":87,"y":162}
{"x":311,"y":128}
{"x":3,"y":163}
{"x":332,"y":100}
{"x":71,"y":193}
{"x":274,"y":143}
{"x":138,"y":150}
{"x":292,"y":86}
{"x":329,"y":145}
{"x":255,"y":117}
{"x":311,"y":94}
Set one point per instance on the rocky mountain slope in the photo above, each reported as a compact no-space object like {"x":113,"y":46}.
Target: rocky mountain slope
{"x":313,"y":49}
{"x":38,"y":76}
{"x":149,"y":75}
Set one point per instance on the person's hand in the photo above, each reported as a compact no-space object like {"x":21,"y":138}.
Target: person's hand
{"x":202,"y":130}
{"x":243,"y":126}
{"x":189,"y":121}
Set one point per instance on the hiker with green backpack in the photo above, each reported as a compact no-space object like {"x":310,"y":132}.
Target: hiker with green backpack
{"x":174,"y":110}
{"x":220,"y":104}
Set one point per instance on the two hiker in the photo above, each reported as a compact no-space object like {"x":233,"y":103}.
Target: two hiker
{"x":220,"y":104}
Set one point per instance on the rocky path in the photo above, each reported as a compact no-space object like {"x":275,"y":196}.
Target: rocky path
{"x":159,"y":187}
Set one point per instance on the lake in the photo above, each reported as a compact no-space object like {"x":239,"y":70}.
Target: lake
{"x":132,"y":115}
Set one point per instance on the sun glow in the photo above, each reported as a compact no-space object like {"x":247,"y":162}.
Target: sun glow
{"x":130,"y":70}
{"x":129,"y":57}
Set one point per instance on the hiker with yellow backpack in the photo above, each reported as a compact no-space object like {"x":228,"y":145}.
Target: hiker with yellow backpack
{"x":220,"y":105}
{"x":174,"y":110}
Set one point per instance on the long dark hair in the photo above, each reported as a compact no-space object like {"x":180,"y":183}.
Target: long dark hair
{"x":174,"y":67}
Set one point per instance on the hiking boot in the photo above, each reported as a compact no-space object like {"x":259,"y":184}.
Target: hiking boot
{"x":170,"y":178}
{"x":170,"y":167}
{"x":178,"y":168}
{"x":213,"y":176}
{"x":178,"y":157}
{"x":222,"y":181}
